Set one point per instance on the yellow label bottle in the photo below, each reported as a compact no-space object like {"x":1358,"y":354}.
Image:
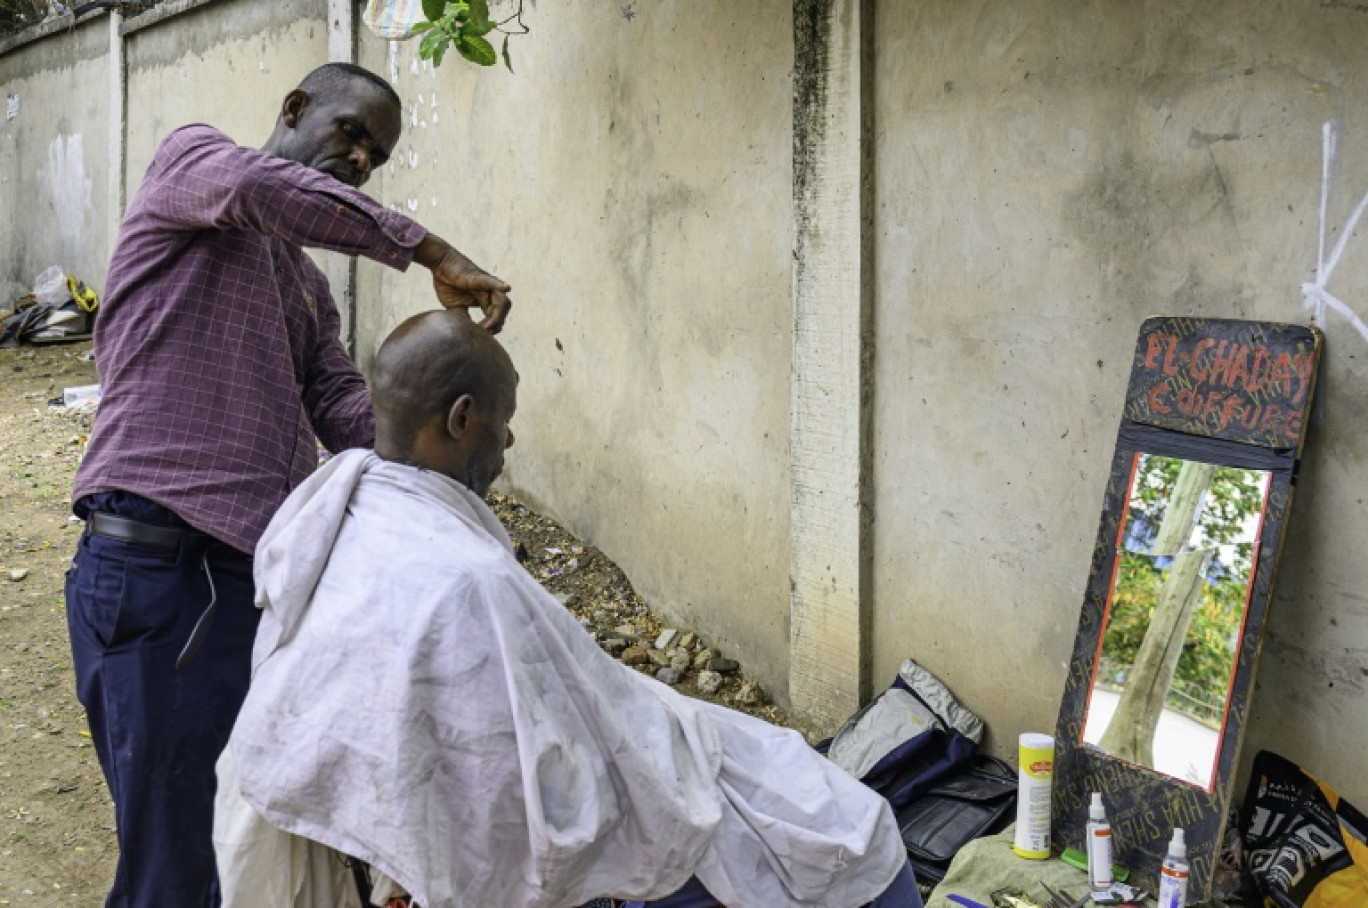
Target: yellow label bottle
{"x":1035,"y":775}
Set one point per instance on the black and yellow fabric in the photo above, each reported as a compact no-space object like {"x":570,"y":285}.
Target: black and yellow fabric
{"x":1305,"y":846}
{"x":84,"y":297}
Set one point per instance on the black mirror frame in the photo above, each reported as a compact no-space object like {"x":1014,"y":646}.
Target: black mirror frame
{"x":1177,"y":405}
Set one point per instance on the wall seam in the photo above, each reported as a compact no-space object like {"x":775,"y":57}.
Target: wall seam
{"x":831,"y":381}
{"x":343,"y":43}
{"x":118,"y":126}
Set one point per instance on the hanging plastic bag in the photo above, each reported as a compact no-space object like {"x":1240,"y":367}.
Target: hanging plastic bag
{"x":393,"y":20}
{"x":50,"y":287}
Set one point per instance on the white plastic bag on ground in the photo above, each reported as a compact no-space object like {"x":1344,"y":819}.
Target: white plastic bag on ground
{"x":393,"y":19}
{"x":50,"y":287}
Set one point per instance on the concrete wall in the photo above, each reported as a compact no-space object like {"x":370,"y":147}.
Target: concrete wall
{"x":632,"y":182}
{"x":189,"y":61}
{"x":226,"y":64}
{"x":1047,"y":176}
{"x":55,"y":153}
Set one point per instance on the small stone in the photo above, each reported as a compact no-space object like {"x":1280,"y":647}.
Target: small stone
{"x":625,"y":630}
{"x":635,"y":655}
{"x":750,"y":694}
{"x":566,"y":599}
{"x":614,"y":646}
{"x":666,"y":638}
{"x":723,"y":666}
{"x":670,"y":675}
{"x":703,"y":658}
{"x":18,"y":574}
{"x":709,"y":682}
{"x":687,"y":641}
{"x":601,"y":616}
{"x":659,"y":658}
{"x":680,"y":661}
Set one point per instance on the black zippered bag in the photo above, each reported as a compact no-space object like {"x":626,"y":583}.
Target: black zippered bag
{"x":977,"y":800}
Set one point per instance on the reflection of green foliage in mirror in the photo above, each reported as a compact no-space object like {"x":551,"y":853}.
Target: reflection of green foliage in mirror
{"x":1208,"y":655}
{"x":1229,"y":520}
{"x":1138,"y":583}
{"x":1232,"y":498}
{"x":464,"y":25}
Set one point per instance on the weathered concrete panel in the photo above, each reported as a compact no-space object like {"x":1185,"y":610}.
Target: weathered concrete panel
{"x":633,"y":183}
{"x":1045,"y":181}
{"x":226,"y":64}
{"x":53,"y":188}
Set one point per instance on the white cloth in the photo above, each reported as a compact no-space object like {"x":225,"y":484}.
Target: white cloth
{"x":421,"y":703}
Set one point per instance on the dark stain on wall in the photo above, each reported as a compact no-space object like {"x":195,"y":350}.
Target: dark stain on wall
{"x":88,"y":40}
{"x":1132,"y":214}
{"x":811,"y":36}
{"x":199,"y":29}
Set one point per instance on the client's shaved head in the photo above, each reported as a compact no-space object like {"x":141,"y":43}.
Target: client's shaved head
{"x":429,"y":365}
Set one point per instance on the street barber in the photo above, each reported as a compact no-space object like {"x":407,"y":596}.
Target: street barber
{"x":221,"y":364}
{"x":420,"y":703}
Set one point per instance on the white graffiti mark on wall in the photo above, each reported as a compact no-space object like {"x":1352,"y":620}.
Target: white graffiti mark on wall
{"x":1315,"y":296}
{"x":69,"y":185}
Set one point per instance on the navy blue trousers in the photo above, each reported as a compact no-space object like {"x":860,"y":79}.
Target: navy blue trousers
{"x":901,"y":893}
{"x":157,"y":731}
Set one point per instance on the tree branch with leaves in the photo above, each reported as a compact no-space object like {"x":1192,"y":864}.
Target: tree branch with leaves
{"x":465,"y":25}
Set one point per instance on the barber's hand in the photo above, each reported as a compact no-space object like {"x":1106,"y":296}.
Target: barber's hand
{"x":461,"y":284}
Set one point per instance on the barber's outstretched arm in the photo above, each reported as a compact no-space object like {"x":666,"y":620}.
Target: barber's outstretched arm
{"x":461,"y":284}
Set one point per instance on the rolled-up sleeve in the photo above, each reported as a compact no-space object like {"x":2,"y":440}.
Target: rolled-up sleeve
{"x":203,"y":180}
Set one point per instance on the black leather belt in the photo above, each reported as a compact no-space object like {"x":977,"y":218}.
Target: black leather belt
{"x":112,"y":526}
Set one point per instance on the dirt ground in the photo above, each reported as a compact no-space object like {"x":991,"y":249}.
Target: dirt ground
{"x":57,"y":844}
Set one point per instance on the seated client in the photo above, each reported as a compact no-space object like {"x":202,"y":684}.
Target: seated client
{"x":421,"y":704}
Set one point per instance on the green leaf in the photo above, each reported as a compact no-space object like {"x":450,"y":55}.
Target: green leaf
{"x":508,"y":61}
{"x":477,"y":50}
{"x":458,"y":10}
{"x":475,"y":31}
{"x":421,"y":27}
{"x":479,"y":17}
{"x":428,"y":45}
{"x":432,"y":9}
{"x":440,"y":52}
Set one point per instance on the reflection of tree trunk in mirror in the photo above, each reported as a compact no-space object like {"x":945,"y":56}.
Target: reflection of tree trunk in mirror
{"x":1130,"y":734}
{"x":1184,"y":506}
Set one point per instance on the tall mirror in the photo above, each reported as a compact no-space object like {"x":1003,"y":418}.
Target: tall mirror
{"x":1184,"y":568}
{"x":1193,"y":518}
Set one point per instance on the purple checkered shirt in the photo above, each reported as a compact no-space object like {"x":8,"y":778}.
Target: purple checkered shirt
{"x":217,"y":339}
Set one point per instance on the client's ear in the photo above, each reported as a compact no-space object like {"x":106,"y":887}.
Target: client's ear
{"x":459,"y":416}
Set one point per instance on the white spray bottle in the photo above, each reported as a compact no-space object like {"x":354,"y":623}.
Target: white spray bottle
{"x":1173,"y":875}
{"x":1099,"y":846}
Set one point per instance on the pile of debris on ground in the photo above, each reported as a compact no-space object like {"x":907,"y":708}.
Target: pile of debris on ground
{"x":602,"y":599}
{"x":59,"y":309}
